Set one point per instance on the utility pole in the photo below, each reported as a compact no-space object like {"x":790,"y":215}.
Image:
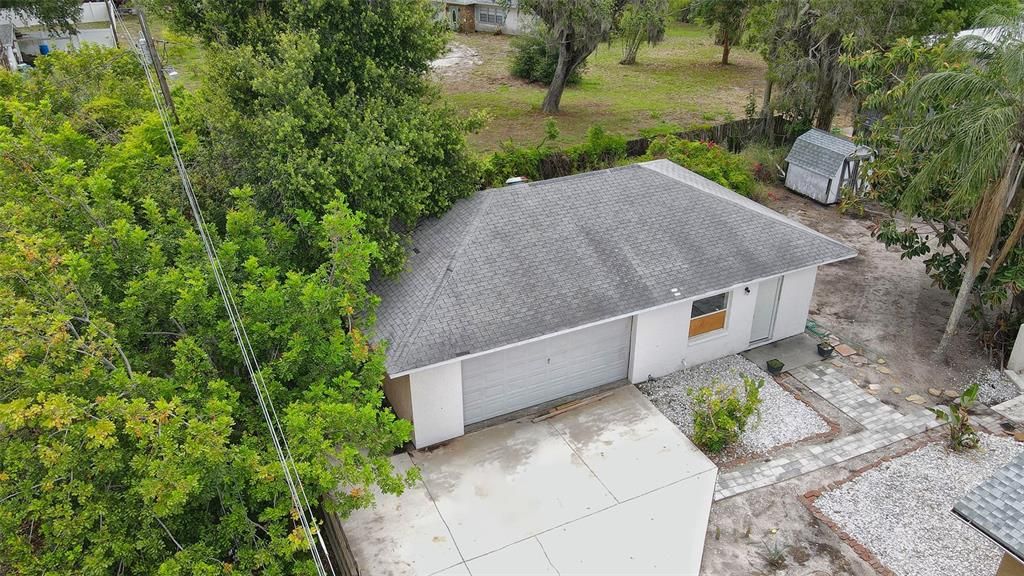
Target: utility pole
{"x":151,"y":53}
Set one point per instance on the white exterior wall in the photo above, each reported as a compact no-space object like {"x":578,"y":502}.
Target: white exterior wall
{"x":436,"y":404}
{"x":661,"y":343}
{"x":517,"y":21}
{"x":808,"y":183}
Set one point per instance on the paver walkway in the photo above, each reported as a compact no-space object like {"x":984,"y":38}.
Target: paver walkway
{"x":883,"y":425}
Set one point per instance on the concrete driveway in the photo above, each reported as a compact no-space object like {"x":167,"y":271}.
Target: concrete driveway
{"x":612,"y":487}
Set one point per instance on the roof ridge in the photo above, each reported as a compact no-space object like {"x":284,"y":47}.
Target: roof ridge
{"x":735,"y":198}
{"x":417,"y":323}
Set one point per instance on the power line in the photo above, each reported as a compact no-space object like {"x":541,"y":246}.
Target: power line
{"x":304,"y":511}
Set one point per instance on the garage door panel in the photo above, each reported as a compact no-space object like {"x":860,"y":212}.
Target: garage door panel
{"x":541,"y":371}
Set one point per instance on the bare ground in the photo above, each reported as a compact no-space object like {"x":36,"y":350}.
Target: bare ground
{"x":884,"y":306}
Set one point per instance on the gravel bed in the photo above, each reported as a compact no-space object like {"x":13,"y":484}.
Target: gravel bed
{"x":901,"y":510}
{"x":784,"y":419}
{"x":994,"y":387}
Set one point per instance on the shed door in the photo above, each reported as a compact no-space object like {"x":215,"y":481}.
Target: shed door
{"x":764,"y":310}
{"x":545,"y":370}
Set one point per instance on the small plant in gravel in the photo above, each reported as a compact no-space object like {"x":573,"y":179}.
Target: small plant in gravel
{"x":774,"y":554}
{"x":961,"y":434}
{"x":721,"y":413}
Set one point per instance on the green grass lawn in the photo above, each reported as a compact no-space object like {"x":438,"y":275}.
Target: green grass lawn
{"x":183,"y":54}
{"x":674,"y":85}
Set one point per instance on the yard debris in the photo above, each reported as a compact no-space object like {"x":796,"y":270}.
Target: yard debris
{"x":883,"y":369}
{"x":783,"y":419}
{"x":900,"y":511}
{"x":563,"y":408}
{"x":845,"y":350}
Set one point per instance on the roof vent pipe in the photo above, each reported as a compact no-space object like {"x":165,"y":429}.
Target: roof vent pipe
{"x":517,"y":180}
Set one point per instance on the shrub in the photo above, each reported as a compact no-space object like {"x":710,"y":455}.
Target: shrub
{"x":534,"y":58}
{"x":601,"y":150}
{"x":709,"y":160}
{"x":764,"y":162}
{"x":961,"y":434}
{"x":721,"y":413}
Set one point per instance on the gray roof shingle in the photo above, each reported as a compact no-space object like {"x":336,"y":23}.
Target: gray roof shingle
{"x":996,"y":507}
{"x":820,"y":152}
{"x":515,"y":263}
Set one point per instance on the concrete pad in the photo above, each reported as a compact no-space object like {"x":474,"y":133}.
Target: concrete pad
{"x":629,"y":444}
{"x":1012,"y":409}
{"x":523,"y":559}
{"x":501,"y":485}
{"x":458,"y":570}
{"x":401,"y":534}
{"x":795,"y":351}
{"x":658,"y":533}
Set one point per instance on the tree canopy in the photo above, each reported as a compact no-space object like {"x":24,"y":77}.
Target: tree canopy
{"x":59,"y":15}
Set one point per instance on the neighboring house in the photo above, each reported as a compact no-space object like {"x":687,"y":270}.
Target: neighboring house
{"x":9,"y":53}
{"x":820,"y":165}
{"x":31,"y":38}
{"x":484,"y":16}
{"x":529,"y":293}
{"x":996,"y":509}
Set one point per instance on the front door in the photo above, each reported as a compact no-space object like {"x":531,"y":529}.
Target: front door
{"x":455,"y":18}
{"x":764,"y":310}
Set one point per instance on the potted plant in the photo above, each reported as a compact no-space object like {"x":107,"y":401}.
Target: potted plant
{"x":825,"y":348}
{"x":775,"y":366}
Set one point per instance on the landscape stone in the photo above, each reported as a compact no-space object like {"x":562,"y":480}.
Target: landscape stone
{"x":935,"y":392}
{"x":916,"y":399}
{"x":874,"y":387}
{"x":883,"y":369}
{"x":950,"y":393}
{"x":1019,"y":436}
{"x":837,"y":364}
{"x":845,"y":350}
{"x":858,"y":359}
{"x":881,"y":360}
{"x":897,"y":390}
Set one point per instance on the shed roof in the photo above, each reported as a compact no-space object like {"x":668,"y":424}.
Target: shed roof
{"x":515,"y":263}
{"x":820,"y":152}
{"x":996,"y":507}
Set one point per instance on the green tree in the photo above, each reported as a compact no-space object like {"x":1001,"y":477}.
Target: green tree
{"x":57,"y":15}
{"x":640,"y":21}
{"x":577,"y":27}
{"x":130,"y":438}
{"x":307,"y":110}
{"x":959,"y":132}
{"x":728,"y":18}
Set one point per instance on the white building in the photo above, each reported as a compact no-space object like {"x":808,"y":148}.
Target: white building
{"x":484,"y":16}
{"x":22,"y":39}
{"x":523,"y":295}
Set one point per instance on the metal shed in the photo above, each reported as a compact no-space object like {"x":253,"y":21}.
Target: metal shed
{"x":820,"y":165}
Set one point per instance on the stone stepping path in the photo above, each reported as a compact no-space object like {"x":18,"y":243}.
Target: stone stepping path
{"x":883,"y":425}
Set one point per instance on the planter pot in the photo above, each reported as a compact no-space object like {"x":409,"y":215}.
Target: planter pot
{"x":825,"y":350}
{"x":774,"y":367}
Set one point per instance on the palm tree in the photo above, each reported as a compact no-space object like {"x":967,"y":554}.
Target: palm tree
{"x":974,"y":132}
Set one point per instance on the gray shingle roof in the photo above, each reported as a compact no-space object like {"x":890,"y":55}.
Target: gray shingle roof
{"x":820,"y":152}
{"x":6,"y":34}
{"x":519,"y":262}
{"x":996,"y":507}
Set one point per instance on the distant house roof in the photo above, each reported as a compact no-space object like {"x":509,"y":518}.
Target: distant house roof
{"x":820,"y":152}
{"x":996,"y":507}
{"x":515,"y":263}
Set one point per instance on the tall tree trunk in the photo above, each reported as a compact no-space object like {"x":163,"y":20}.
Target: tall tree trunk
{"x":562,"y":71}
{"x":725,"y":48}
{"x":983,"y":231}
{"x":766,"y":110}
{"x":630,"y":47}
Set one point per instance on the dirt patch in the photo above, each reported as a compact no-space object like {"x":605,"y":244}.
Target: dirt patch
{"x":456,"y":62}
{"x":883,"y":305}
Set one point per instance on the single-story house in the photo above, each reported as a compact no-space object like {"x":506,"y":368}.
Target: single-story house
{"x":996,"y":509}
{"x":525,"y":294}
{"x":820,"y":165}
{"x":22,"y":39}
{"x":484,"y":16}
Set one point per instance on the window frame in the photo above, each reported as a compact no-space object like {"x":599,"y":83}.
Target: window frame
{"x":490,"y":14}
{"x":719,"y":327}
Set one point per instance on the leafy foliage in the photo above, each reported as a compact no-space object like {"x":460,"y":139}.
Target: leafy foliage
{"x":961,"y":434}
{"x":640,"y":21}
{"x":600,"y":150}
{"x":57,"y":15}
{"x":721,"y":413}
{"x":534,"y":58}
{"x":728,"y":19}
{"x":707,"y":159}
{"x":130,"y":439}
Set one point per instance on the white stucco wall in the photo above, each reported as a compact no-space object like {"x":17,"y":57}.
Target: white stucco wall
{"x":661,"y":343}
{"x":794,"y":301}
{"x":436,"y":404}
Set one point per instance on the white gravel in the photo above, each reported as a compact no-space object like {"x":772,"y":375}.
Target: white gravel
{"x":783,"y":419}
{"x":994,"y":387}
{"x":901,"y":510}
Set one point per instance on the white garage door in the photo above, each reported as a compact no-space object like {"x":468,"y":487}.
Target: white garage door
{"x":541,"y":371}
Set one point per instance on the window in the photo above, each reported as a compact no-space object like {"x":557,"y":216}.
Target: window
{"x":490,"y":15}
{"x":708,"y":314}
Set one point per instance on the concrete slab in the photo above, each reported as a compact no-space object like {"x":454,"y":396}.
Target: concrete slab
{"x":795,"y":351}
{"x":503,"y":484}
{"x":1012,"y":409}
{"x":458,"y":570}
{"x":408,"y":528}
{"x":658,"y":533}
{"x":631,"y":447}
{"x":526,"y":558}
